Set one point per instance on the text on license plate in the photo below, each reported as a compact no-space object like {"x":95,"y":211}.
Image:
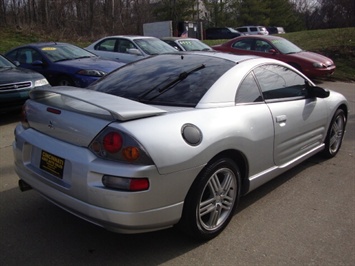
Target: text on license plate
{"x":52,"y":164}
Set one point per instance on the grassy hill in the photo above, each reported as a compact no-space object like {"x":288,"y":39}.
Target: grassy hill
{"x":338,"y":44}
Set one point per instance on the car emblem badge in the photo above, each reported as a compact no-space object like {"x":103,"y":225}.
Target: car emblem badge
{"x":50,"y":125}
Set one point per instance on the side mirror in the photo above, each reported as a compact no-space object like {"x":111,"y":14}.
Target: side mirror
{"x":134,"y":51}
{"x":319,"y":92}
{"x":272,"y":51}
{"x":16,"y":63}
{"x":37,"y":63}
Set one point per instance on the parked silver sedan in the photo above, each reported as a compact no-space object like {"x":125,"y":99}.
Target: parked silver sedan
{"x":174,"y":139}
{"x":129,"y":48}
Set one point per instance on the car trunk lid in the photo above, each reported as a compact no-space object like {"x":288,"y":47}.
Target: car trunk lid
{"x":77,"y":115}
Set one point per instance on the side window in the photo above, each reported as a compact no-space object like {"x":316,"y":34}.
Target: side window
{"x":13,"y":56}
{"x":106,"y":45}
{"x":242,"y":29}
{"x":253,"y":29}
{"x":248,"y":91}
{"x":243,"y":44}
{"x":262,"y":46}
{"x":173,"y":44}
{"x":27,"y":56}
{"x":279,"y":82}
{"x":124,"y":45}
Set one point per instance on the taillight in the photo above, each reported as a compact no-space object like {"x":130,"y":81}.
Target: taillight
{"x":112,"y":142}
{"x":124,"y":183}
{"x":116,"y":145}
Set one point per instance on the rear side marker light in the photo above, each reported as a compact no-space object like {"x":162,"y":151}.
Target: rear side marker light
{"x":126,"y":184}
{"x":54,"y":111}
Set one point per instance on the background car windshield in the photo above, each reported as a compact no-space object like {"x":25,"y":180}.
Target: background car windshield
{"x":191,"y":45}
{"x":147,"y":80}
{"x":154,"y":46}
{"x":64,"y":52}
{"x":5,"y":63}
{"x":286,"y":47}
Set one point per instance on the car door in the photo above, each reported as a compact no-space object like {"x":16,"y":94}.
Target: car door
{"x":32,"y":59}
{"x":122,"y":49}
{"x":300,"y":120}
{"x":243,"y":46}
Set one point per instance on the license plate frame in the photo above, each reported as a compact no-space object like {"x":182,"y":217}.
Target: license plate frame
{"x":52,"y":164}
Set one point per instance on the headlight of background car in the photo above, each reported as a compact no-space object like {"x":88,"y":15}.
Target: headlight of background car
{"x":318,"y":65}
{"x":41,"y":82}
{"x":91,"y":72}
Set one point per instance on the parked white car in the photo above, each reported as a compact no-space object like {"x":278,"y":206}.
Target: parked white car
{"x":253,"y":30}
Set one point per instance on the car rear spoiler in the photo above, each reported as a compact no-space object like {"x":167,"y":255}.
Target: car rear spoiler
{"x":121,"y":109}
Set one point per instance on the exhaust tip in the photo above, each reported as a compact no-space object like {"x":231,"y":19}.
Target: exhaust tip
{"x":23,"y":185}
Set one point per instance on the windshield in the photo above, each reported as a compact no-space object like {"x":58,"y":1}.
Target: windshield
{"x":285,"y":46}
{"x":176,"y":80}
{"x":5,"y":63}
{"x":60,"y":52}
{"x":154,"y":46}
{"x":194,"y":45}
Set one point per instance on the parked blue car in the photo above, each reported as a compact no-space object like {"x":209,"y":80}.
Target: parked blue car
{"x":62,"y":63}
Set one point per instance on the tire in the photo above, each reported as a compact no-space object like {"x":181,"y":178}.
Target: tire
{"x":212,"y":199}
{"x":65,"y":81}
{"x":335,"y":134}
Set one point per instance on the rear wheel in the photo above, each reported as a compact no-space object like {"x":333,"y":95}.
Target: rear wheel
{"x":212,"y":199}
{"x":335,"y":134}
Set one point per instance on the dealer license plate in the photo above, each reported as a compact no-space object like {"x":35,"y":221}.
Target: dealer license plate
{"x":52,"y":164}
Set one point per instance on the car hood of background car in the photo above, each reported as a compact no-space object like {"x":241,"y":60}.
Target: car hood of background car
{"x":92,"y":63}
{"x":312,"y":57}
{"x":10,"y":75}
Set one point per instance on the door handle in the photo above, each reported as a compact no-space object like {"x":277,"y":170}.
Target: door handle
{"x":281,"y":118}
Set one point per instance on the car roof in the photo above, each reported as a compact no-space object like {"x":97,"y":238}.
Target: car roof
{"x":42,"y":44}
{"x":176,"y":38}
{"x":131,"y":37}
{"x":231,"y":57}
{"x":266,"y":37}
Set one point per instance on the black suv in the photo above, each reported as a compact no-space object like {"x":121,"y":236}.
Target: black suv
{"x":222,"y":33}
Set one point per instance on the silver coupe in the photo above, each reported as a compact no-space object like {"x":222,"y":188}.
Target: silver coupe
{"x":174,"y":139}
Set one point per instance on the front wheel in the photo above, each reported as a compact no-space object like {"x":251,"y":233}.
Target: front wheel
{"x":212,"y":199}
{"x":335,"y":134}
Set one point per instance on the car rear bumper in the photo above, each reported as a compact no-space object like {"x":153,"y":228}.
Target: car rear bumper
{"x":80,"y":191}
{"x":113,"y":220}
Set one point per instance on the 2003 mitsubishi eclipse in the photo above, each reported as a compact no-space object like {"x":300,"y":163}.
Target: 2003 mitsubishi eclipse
{"x":174,"y":139}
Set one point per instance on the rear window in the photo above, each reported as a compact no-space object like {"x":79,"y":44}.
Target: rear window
{"x":176,"y":80}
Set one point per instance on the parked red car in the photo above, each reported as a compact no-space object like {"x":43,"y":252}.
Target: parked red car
{"x":311,"y":64}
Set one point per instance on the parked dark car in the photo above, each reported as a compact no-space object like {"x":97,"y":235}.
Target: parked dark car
{"x":276,"y":30}
{"x":15,"y":84}
{"x":62,"y":63}
{"x":311,"y":64}
{"x":222,"y":33}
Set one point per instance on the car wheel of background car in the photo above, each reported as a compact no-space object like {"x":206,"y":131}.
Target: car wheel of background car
{"x":212,"y":199}
{"x":65,"y":81}
{"x":335,"y":134}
